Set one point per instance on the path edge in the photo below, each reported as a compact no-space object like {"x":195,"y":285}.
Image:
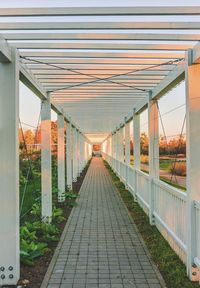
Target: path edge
{"x":158,"y":273}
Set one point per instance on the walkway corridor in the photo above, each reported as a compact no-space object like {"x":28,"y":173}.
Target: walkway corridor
{"x":101,"y":247}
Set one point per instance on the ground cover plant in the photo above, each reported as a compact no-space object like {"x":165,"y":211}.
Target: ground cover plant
{"x":38,"y":239}
{"x":169,"y":264}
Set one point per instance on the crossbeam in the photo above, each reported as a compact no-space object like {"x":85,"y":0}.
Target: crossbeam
{"x":100,"y":11}
{"x":102,"y":46}
{"x":5,"y":51}
{"x":99,"y":25}
{"x":104,"y":55}
{"x":102,"y":36}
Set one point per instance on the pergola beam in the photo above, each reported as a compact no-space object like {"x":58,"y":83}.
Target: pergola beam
{"x":100,"y":25}
{"x":196,"y":53}
{"x":101,"y":46}
{"x":100,"y":11}
{"x":93,"y":61}
{"x":82,"y":77}
{"x":158,"y":72}
{"x":104,"y":55}
{"x":102,"y":36}
{"x":32,"y":83}
{"x":5,"y":51}
{"x":98,"y":93}
{"x":171,"y":80}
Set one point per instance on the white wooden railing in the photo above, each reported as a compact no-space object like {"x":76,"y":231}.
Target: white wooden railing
{"x":169,"y":205}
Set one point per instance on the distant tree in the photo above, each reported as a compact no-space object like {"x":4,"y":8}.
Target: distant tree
{"x":27,"y":136}
{"x":54,"y":133}
{"x":131,"y":147}
{"x":163,"y":147}
{"x":144,"y":143}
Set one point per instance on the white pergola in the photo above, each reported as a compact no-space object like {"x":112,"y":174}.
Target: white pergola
{"x":98,"y":75}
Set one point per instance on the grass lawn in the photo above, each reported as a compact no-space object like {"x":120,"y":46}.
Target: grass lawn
{"x":169,"y":264}
{"x":165,"y":165}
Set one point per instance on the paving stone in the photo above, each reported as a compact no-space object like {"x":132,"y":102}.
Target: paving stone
{"x":101,"y":248}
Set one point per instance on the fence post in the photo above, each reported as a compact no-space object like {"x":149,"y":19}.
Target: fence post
{"x":153,"y":152}
{"x":9,"y":167}
{"x":192,"y":84}
{"x":136,"y":148}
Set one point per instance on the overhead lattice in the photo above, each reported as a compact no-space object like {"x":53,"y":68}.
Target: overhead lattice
{"x":100,"y":63}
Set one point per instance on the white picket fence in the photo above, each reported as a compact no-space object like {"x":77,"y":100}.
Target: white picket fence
{"x":169,"y":206}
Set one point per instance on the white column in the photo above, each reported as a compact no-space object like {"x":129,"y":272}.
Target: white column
{"x":9,"y":171}
{"x":46,"y":160}
{"x":136,"y":149}
{"x":112,"y":146}
{"x":192,"y":83}
{"x":78,"y":152}
{"x":127,"y":148}
{"x":69,"y":155}
{"x":115,"y":150}
{"x":136,"y":140}
{"x":119,"y":149}
{"x":81,"y":153}
{"x":88,"y":152}
{"x":153,"y":153}
{"x":127,"y":143}
{"x":74,"y":155}
{"x":61,"y":158}
{"x":85,"y":153}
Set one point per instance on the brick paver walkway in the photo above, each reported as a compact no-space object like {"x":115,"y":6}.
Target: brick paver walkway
{"x":101,"y":247}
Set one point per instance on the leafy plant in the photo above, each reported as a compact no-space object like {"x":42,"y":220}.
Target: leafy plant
{"x":71,"y":195}
{"x":36,"y":209}
{"x":30,"y":245}
{"x":57,"y":215}
{"x":46,"y":232}
{"x":22,"y":179}
{"x":27,"y":235}
{"x":71,"y":198}
{"x":29,"y":251}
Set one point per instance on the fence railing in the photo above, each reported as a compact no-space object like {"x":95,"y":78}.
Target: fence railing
{"x":169,"y":205}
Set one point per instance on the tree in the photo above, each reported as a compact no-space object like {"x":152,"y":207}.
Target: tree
{"x":144,"y":143}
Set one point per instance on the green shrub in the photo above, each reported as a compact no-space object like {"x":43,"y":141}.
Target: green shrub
{"x":30,"y":250}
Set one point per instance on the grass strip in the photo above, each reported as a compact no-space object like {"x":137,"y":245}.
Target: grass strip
{"x":168,"y":263}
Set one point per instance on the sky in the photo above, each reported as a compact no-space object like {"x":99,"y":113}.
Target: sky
{"x":172,"y":111}
{"x":30,"y":104}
